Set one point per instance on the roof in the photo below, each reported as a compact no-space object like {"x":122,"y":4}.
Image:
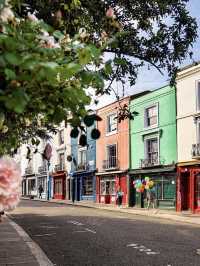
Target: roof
{"x":132,"y":96}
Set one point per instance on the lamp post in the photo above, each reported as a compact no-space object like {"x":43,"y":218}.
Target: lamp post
{"x":47,"y":155}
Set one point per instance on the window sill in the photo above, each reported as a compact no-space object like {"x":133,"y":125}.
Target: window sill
{"x":111,"y":133}
{"x":151,"y":127}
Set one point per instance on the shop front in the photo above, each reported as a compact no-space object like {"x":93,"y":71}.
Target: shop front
{"x":82,"y":185}
{"x":107,"y":187}
{"x":59,"y":185}
{"x":164,"y":180}
{"x":188,"y":188}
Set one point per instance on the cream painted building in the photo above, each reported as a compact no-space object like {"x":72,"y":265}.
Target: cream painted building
{"x":188,"y":138}
{"x":188,"y":113}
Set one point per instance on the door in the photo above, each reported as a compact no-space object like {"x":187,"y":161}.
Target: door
{"x":78,"y":189}
{"x":197,"y":191}
{"x":185,"y":191}
{"x":58,"y":188}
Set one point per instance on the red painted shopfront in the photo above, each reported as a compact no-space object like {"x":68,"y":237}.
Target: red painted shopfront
{"x":188,"y":189}
{"x":107,"y":186}
{"x":59,"y":185}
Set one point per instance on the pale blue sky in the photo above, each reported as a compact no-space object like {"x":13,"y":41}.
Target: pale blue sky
{"x":152,"y":79}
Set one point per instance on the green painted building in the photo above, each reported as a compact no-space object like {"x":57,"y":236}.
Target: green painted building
{"x":153,"y":146}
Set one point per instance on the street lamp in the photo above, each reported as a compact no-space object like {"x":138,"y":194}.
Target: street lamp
{"x":47,"y":156}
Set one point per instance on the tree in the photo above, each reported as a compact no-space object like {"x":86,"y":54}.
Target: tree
{"x":44,"y":77}
{"x":159,"y":33}
{"x":48,"y":65}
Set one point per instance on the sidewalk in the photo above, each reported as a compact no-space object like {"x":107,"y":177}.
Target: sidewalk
{"x":185,"y":217}
{"x":13,"y":249}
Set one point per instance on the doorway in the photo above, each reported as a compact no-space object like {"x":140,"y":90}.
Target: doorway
{"x":185,"y":191}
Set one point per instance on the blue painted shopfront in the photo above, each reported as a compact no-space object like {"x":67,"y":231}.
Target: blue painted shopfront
{"x":82,"y":175}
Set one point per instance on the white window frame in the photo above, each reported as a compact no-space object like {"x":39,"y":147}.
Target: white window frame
{"x":145,"y":145}
{"x":114,"y":131}
{"x":80,"y":150}
{"x":59,"y":137}
{"x":107,"y":149}
{"x":59,"y":156}
{"x":197,"y":85}
{"x":145,"y":116}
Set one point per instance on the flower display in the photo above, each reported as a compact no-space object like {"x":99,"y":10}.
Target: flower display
{"x":10,"y":181}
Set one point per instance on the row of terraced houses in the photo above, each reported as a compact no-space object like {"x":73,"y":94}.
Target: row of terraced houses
{"x":162,"y":142}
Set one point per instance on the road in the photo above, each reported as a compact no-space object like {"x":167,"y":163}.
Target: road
{"x":72,"y":235}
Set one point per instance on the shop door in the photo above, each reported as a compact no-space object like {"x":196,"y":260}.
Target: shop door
{"x":78,"y":189}
{"x":185,"y":191}
{"x":197,"y":192}
{"x":107,"y":196}
{"x":58,"y":188}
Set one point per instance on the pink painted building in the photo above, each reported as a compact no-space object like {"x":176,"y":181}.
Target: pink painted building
{"x":112,"y":154}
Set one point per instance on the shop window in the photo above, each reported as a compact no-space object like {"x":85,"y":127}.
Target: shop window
{"x":165,"y":188}
{"x":151,"y":116}
{"x":111,"y":123}
{"x":88,"y":186}
{"x":107,"y":187}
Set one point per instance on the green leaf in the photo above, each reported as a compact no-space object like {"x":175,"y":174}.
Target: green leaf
{"x":57,"y":34}
{"x":108,"y":68}
{"x":2,"y":118}
{"x":17,"y":101}
{"x":10,"y":74}
{"x":85,"y":56}
{"x":12,"y":58}
{"x":51,"y":65}
{"x":72,"y":69}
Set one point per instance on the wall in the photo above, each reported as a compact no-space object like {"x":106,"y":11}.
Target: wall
{"x":121,"y":137}
{"x":186,"y":109}
{"x":90,"y":150}
{"x":166,"y":99}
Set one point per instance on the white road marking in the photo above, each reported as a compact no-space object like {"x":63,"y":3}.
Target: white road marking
{"x":89,"y":230}
{"x":152,"y":253}
{"x":198,"y":251}
{"x":142,"y":248}
{"x":75,"y":223}
{"x":131,"y":245}
{"x":46,"y":234}
{"x":80,"y":231}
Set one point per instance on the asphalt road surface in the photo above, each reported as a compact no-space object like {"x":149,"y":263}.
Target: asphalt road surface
{"x":72,"y":235}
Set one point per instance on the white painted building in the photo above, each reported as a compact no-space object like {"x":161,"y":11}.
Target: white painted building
{"x":188,"y":138}
{"x":36,"y":170}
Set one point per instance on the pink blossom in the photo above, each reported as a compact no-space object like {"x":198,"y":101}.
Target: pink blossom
{"x":32,"y":17}
{"x":110,"y":13}
{"x":10,"y":181}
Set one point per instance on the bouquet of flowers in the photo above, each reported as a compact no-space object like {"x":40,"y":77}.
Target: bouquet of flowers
{"x":10,"y":181}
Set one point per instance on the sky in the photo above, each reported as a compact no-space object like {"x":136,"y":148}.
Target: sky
{"x":152,"y":79}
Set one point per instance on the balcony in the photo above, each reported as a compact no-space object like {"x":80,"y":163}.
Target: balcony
{"x":149,"y":162}
{"x":29,"y":170}
{"x":111,"y":163}
{"x":42,"y":169}
{"x":195,"y":151}
{"x":82,"y":167}
{"x":59,"y":167}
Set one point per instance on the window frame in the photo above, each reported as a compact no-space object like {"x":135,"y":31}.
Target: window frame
{"x":108,"y":124}
{"x":80,"y":150}
{"x":197,"y":90}
{"x":146,"y":148}
{"x":61,"y":137}
{"x":146,"y":126}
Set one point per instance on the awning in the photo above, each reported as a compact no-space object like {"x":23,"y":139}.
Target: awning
{"x":152,"y":170}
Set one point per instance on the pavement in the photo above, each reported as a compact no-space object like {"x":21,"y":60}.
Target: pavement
{"x":167,"y":214}
{"x":17,"y":248}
